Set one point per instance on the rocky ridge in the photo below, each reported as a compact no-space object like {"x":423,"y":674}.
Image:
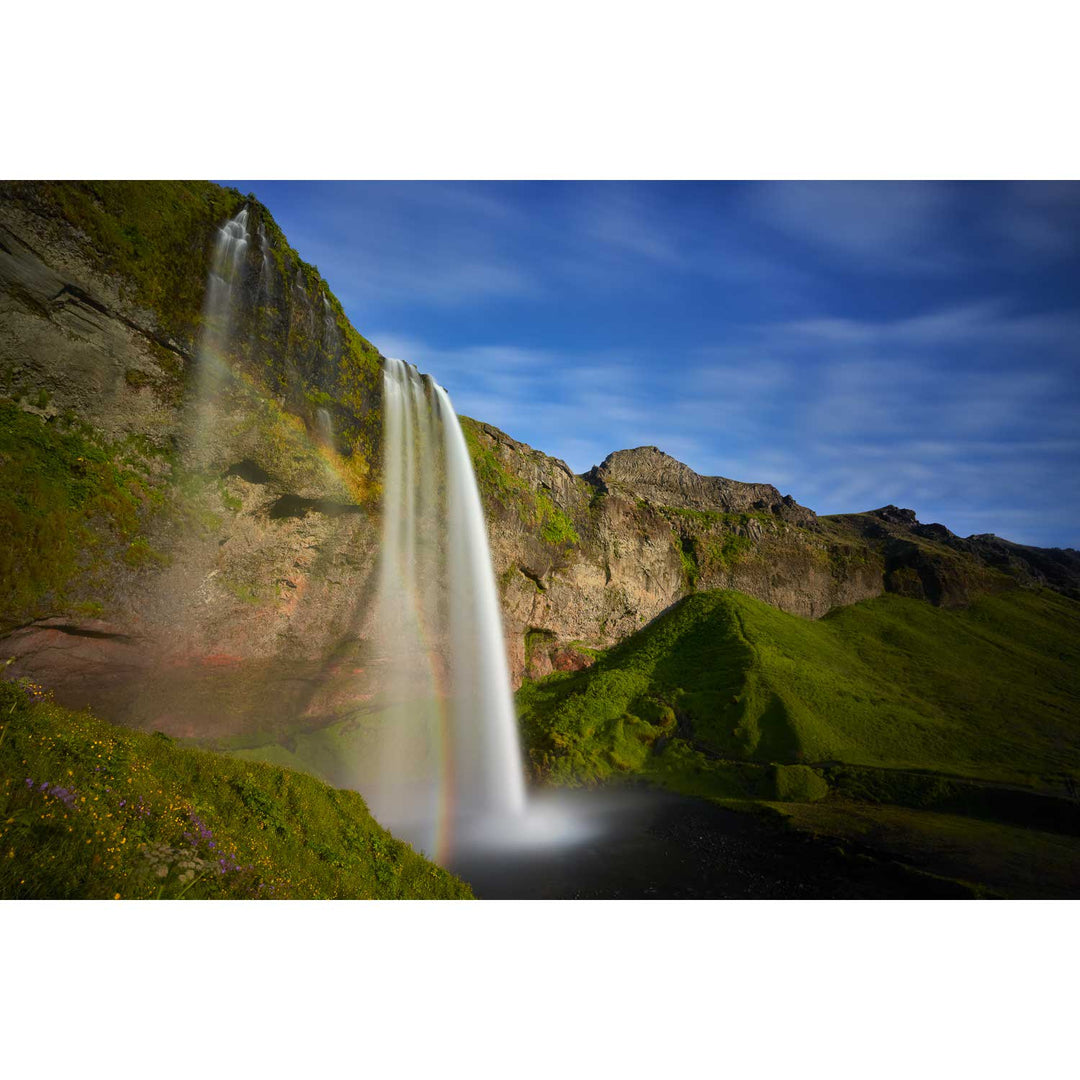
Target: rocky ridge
{"x":650,"y":474}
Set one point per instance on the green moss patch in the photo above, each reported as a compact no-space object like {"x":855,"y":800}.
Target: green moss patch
{"x":497,"y":483}
{"x":71,"y":504}
{"x":798,"y":783}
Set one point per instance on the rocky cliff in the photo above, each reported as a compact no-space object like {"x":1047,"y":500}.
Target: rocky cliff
{"x":215,"y":579}
{"x":191,"y":588}
{"x":648,"y":473}
{"x":585,"y":560}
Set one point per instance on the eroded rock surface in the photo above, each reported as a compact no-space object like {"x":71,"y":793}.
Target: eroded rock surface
{"x":646,"y":531}
{"x":650,"y":474}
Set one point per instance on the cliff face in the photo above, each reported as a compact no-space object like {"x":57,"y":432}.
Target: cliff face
{"x":215,"y":578}
{"x":639,"y":532}
{"x":642,"y":530}
{"x":170,"y":569}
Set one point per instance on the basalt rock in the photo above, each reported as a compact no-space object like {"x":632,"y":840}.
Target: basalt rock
{"x":645,"y":530}
{"x":650,"y":474}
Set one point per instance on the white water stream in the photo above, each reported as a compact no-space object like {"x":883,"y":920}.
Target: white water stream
{"x":448,"y":752}
{"x":226,"y":272}
{"x":441,"y":762}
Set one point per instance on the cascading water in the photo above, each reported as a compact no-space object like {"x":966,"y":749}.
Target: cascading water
{"x":482,"y":700}
{"x":448,"y":756}
{"x":330,"y":332}
{"x":265,"y":278}
{"x":324,"y":427}
{"x":226,"y":272}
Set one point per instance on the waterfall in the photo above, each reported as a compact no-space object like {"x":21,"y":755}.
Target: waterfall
{"x":438,"y":756}
{"x":226,"y":273}
{"x":324,"y":427}
{"x":265,"y":280}
{"x":448,"y":757}
{"x":330,"y":333}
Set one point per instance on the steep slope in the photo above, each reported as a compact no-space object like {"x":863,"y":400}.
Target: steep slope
{"x":89,"y":810}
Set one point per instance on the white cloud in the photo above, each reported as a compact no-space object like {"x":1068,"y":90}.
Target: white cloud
{"x":890,"y":226}
{"x":621,"y":218}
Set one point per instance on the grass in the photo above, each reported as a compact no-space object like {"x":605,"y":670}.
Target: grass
{"x":90,"y":810}
{"x":1011,"y":862}
{"x":991,"y":692}
{"x":325,"y":753}
{"x":708,"y":519}
{"x":946,"y":739}
{"x":70,"y":505}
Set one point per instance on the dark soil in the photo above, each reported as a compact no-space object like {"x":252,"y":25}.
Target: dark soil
{"x":655,"y":845}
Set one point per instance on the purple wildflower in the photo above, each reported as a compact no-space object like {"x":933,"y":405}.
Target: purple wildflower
{"x":65,"y":795}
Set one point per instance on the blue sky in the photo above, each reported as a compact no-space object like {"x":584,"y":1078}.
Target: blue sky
{"x":854,"y":344}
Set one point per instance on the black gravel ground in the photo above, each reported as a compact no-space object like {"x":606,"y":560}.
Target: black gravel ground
{"x":651,"y":844}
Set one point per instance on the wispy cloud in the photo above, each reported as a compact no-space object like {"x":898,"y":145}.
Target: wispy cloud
{"x":624,"y":220}
{"x":845,"y":414}
{"x":887,"y":226}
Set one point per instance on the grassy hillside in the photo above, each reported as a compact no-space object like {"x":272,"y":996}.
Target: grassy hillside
{"x":89,"y":810}
{"x":989,"y":693}
{"x":943,"y":739}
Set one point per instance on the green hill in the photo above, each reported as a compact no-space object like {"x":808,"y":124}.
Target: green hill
{"x":90,"y":810}
{"x":991,"y":692}
{"x":945,"y":738}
